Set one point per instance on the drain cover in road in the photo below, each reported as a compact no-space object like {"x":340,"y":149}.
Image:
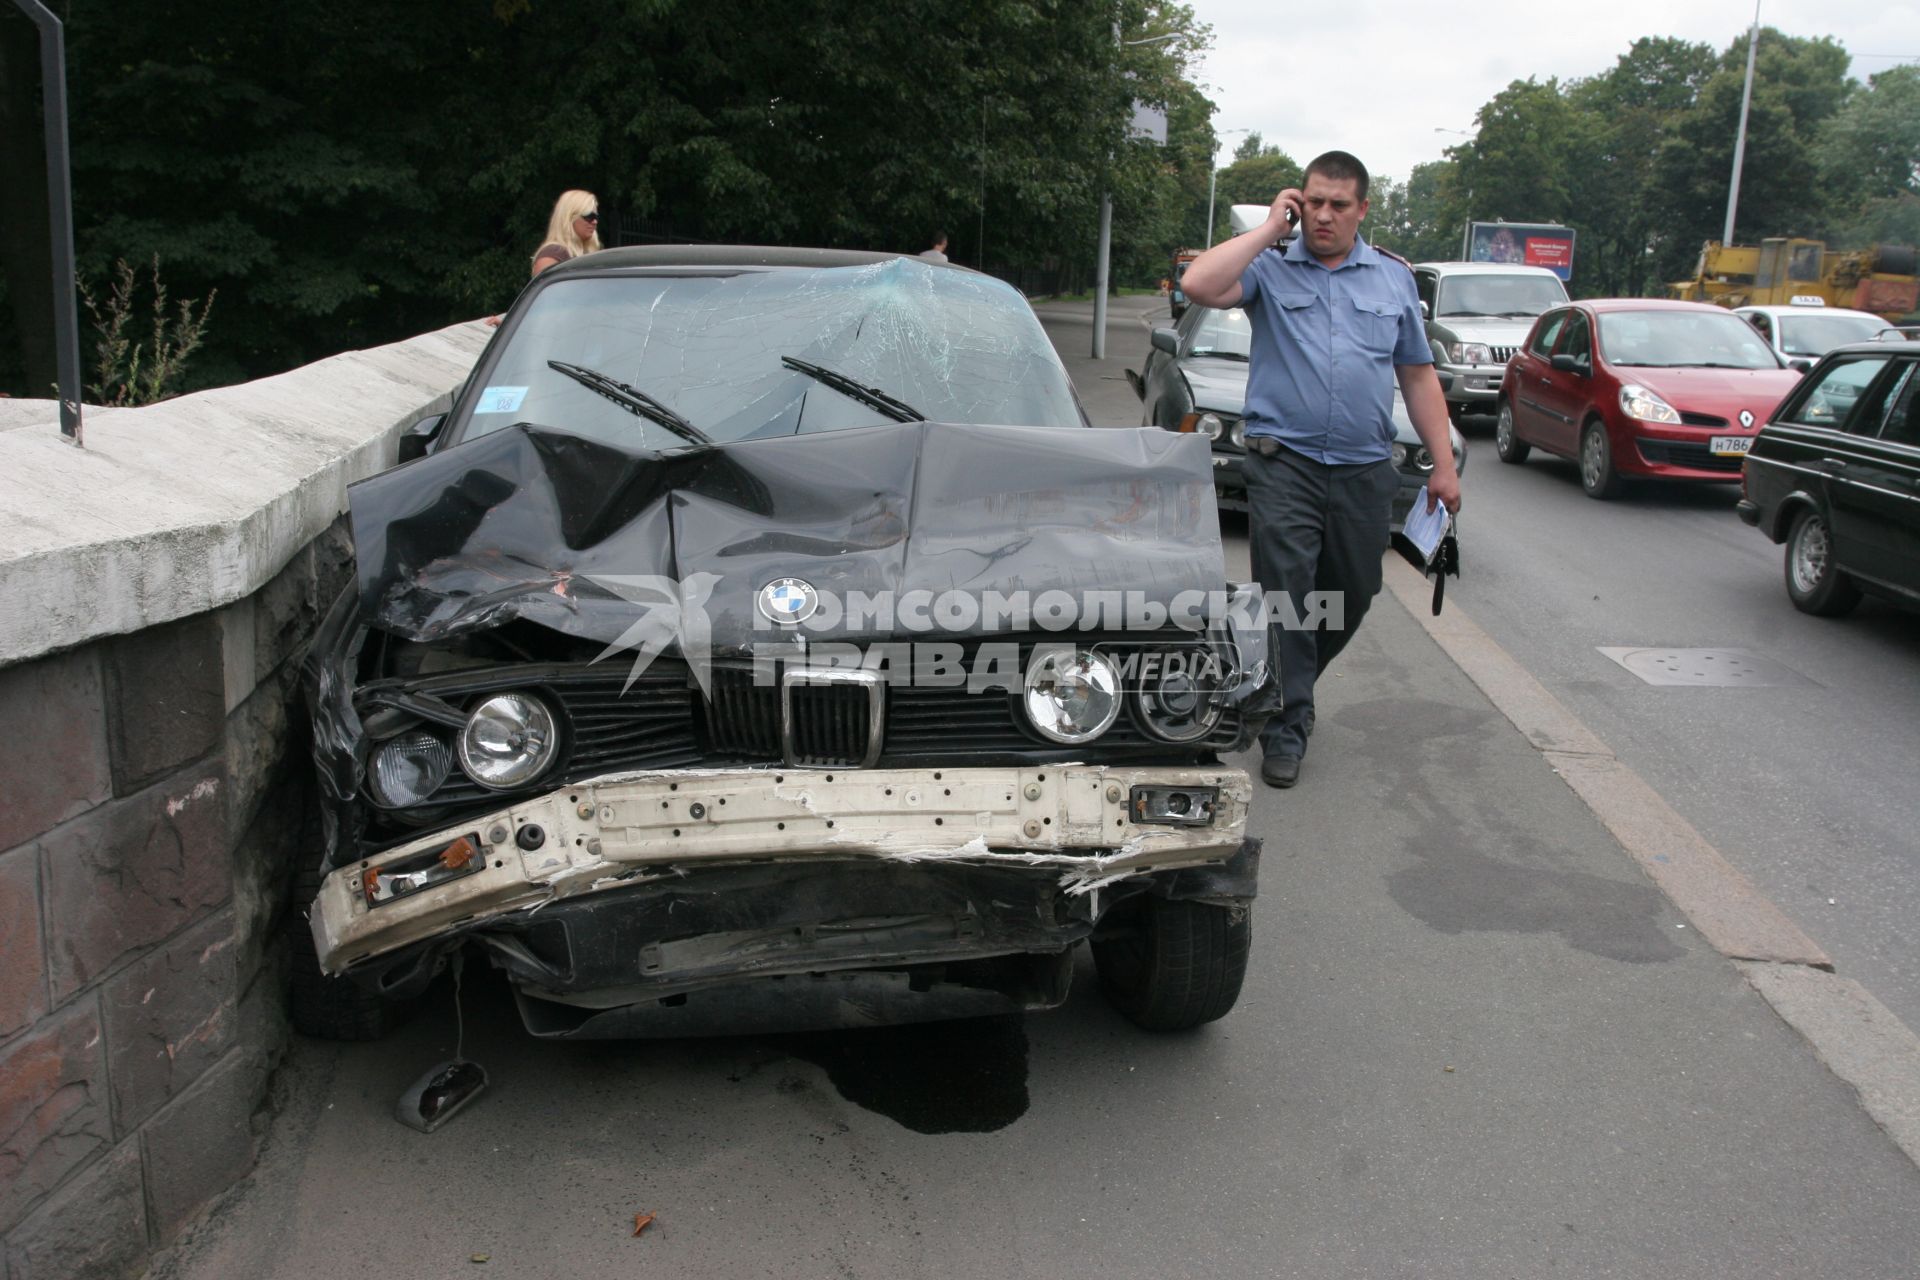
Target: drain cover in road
{"x":1716,"y":668}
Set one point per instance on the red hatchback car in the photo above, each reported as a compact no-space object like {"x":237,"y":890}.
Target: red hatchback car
{"x":1632,"y":387}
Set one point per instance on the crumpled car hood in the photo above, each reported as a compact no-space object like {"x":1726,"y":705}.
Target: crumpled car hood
{"x":1217,"y":384}
{"x":539,"y":524}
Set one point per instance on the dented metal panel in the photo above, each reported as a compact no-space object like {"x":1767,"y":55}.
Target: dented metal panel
{"x":536,"y":523}
{"x":615,"y":831}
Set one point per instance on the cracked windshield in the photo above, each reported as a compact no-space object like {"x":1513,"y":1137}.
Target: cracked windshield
{"x":728,"y":353}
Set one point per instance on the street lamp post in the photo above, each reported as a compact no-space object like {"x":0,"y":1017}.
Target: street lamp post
{"x":1213,"y":177}
{"x":1740,"y":140}
{"x":1106,"y":226}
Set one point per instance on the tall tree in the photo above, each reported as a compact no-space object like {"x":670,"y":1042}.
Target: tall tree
{"x":1870,"y":159}
{"x":1798,"y":83}
{"x":1259,"y":172}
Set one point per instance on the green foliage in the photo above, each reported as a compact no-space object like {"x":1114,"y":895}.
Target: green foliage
{"x":351,"y":173}
{"x":1418,"y":219}
{"x":1259,"y":172}
{"x":134,"y":372}
{"x":1870,"y":147}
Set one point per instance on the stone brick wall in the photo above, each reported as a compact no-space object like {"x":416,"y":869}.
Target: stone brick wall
{"x":157,"y":589}
{"x":152,"y":808}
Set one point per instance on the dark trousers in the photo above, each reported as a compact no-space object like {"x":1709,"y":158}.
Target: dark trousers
{"x":1314,"y":528}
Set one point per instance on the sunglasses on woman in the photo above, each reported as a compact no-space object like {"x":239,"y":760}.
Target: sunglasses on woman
{"x":593,"y":217}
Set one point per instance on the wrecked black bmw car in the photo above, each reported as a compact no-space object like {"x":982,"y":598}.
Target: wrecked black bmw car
{"x":765,"y":640}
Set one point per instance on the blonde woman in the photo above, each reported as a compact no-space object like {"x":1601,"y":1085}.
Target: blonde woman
{"x":573,"y":229}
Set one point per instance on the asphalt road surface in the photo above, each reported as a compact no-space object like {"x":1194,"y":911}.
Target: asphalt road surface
{"x":1811,"y":784}
{"x":1475,"y":1041}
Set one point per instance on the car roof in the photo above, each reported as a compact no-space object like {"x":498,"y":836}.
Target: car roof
{"x":1605,"y":305}
{"x":1502,"y":268}
{"x":1772,"y":310}
{"x":1904,"y":347}
{"x":731,"y":255}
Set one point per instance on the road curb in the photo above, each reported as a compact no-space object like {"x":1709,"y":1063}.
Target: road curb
{"x":1716,"y":898}
{"x":1859,"y":1039}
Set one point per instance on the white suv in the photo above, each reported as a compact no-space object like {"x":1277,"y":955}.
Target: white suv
{"x":1477,"y":314}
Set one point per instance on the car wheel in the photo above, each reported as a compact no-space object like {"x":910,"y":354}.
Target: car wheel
{"x":1814,"y":581}
{"x":326,"y":1006}
{"x":1597,"y":475}
{"x":1168,"y":966}
{"x":1509,"y":446}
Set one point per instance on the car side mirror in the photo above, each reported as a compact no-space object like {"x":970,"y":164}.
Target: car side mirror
{"x":417,"y":441}
{"x":1426,"y":312}
{"x":1566,"y":363}
{"x":1802,"y":366}
{"x":1165,"y":340}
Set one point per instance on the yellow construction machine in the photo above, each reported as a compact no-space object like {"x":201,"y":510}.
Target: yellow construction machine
{"x":1783,"y":271}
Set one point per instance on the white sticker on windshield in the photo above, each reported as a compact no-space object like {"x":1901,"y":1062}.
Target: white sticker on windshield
{"x":501,"y":400}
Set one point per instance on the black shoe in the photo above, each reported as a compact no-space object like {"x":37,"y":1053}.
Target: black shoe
{"x":1280,"y":771}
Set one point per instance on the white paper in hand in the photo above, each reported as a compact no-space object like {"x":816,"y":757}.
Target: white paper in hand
{"x":1424,"y":529}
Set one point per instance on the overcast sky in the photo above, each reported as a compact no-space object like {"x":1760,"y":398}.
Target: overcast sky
{"x":1377,"y":78}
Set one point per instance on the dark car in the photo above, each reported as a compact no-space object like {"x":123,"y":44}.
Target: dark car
{"x":764,"y":641}
{"x":1835,"y":475}
{"x":1642,"y":389}
{"x":1195,"y":382}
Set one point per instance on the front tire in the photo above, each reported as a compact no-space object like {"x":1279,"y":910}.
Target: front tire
{"x":1170,"y":966}
{"x":327,"y":1006}
{"x":1509,"y":446}
{"x":1597,"y":475}
{"x":1814,"y":581}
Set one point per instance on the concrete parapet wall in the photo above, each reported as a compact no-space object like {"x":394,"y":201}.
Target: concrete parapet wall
{"x":157,"y":589}
{"x":191,"y":504}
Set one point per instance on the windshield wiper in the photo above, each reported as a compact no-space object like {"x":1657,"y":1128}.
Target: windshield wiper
{"x":631,"y":399}
{"x":1219,"y":355}
{"x":1518,"y":315}
{"x":872,"y":397}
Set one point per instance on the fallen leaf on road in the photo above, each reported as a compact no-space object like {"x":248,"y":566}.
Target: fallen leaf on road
{"x":481,"y":1257}
{"x":641,"y":1221}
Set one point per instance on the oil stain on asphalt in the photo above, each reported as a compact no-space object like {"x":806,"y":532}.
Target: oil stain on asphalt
{"x":936,"y":1077}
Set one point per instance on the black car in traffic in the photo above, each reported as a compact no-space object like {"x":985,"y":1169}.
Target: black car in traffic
{"x":1835,"y":476}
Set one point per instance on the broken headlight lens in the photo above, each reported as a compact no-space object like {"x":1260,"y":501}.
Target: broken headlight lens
{"x":407,"y":769}
{"x":419,"y":871}
{"x":509,"y":741}
{"x":1073,"y":695}
{"x":1179,"y":695}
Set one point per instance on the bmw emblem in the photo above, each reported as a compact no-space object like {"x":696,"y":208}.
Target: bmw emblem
{"x":1746,"y":417}
{"x":788,"y":601}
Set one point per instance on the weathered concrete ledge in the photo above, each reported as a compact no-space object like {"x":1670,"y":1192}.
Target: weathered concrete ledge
{"x":157,"y":589}
{"x":189,"y":505}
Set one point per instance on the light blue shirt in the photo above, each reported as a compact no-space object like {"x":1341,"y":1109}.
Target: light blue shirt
{"x":1320,"y":375}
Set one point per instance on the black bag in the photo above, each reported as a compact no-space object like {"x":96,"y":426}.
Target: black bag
{"x":1445,"y":561}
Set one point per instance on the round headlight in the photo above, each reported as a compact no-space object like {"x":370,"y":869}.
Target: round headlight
{"x":1209,"y":425}
{"x":1399,"y":455}
{"x":1423,"y":458}
{"x":508,"y":742}
{"x":1073,"y":695}
{"x":1239,"y":435}
{"x":407,"y":769}
{"x":1178,"y":702}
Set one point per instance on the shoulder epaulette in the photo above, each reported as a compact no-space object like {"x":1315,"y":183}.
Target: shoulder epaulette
{"x":1388,"y":253}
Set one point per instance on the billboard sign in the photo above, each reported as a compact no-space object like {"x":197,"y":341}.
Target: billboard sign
{"x":1530,"y":244}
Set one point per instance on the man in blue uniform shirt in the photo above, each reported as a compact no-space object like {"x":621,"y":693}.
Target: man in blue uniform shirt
{"x":1335,"y":322}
